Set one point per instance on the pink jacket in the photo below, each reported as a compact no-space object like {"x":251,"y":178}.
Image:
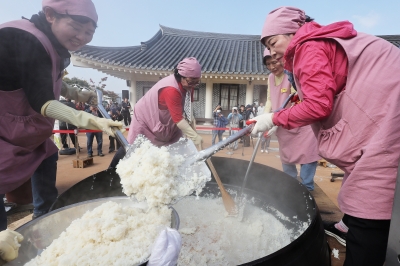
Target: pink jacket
{"x":298,"y":145}
{"x":361,"y":133}
{"x":24,"y":133}
{"x":149,"y":120}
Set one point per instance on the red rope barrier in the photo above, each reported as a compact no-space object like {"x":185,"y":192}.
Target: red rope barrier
{"x":92,"y":131}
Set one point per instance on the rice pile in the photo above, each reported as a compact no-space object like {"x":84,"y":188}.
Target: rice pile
{"x":210,"y":238}
{"x":110,"y":234}
{"x":152,"y":174}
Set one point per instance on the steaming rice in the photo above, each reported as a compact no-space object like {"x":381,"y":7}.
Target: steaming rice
{"x":110,"y":234}
{"x":152,"y":174}
{"x":210,"y":238}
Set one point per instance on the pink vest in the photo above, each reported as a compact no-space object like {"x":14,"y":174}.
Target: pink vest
{"x":298,"y":145}
{"x":24,"y":133}
{"x":362,"y":134}
{"x":157,"y":125}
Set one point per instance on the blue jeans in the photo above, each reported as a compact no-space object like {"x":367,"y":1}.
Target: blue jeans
{"x":44,"y":189}
{"x":307,"y":172}
{"x":265,"y":144}
{"x":99,"y":139}
{"x":214,"y":135}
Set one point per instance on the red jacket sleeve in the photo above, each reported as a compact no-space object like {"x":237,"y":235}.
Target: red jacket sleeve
{"x":170,"y":98}
{"x":321,"y":69}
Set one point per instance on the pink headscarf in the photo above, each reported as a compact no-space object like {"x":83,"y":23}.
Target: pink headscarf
{"x":283,"y":20}
{"x":189,"y":68}
{"x":266,"y":52}
{"x":83,"y":8}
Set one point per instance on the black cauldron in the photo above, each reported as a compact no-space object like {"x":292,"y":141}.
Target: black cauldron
{"x":272,"y":189}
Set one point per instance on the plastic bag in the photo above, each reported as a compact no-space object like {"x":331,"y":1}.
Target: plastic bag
{"x":166,"y":248}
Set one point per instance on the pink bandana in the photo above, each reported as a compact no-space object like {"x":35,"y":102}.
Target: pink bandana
{"x":283,"y":20}
{"x":189,"y":68}
{"x":83,"y":8}
{"x":266,"y":52}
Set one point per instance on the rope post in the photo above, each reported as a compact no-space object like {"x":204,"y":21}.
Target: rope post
{"x":76,"y":131}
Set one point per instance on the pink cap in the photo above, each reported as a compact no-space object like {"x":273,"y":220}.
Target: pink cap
{"x":283,"y":20}
{"x":189,"y":68}
{"x":83,"y":8}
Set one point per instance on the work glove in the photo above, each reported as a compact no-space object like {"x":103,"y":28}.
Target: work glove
{"x":189,"y":132}
{"x":9,"y":244}
{"x":57,"y":110}
{"x":167,"y":246}
{"x":269,"y":133}
{"x":89,"y":97}
{"x":264,"y":123}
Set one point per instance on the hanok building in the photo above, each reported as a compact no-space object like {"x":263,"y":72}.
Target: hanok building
{"x":232,"y":68}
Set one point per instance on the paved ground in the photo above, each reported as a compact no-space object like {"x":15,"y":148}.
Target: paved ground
{"x":325,"y":192}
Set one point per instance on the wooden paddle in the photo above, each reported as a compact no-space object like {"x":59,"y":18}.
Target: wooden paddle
{"x":229,"y":204}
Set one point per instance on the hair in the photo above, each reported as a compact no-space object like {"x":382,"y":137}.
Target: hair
{"x":309,"y":19}
{"x":177,"y":76}
{"x":80,"y":19}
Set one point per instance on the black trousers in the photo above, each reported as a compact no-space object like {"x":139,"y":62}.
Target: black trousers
{"x":112,"y":144}
{"x":127,"y":118}
{"x":120,"y":154}
{"x":366,"y":241}
{"x":65,"y":126}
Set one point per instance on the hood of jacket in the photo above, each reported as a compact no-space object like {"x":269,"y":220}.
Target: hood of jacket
{"x":314,"y":31}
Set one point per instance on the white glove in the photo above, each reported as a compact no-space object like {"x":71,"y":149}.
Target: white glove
{"x":167,"y":246}
{"x":76,"y":94}
{"x":57,"y":110}
{"x":264,"y":123}
{"x":272,"y":131}
{"x":189,"y":132}
{"x":9,"y":244}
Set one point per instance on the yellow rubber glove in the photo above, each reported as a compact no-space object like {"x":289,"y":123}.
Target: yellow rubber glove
{"x":9,"y":244}
{"x":57,"y":110}
{"x":76,"y":94}
{"x":189,"y":132}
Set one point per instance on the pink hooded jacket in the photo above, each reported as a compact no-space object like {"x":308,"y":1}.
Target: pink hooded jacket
{"x":360,"y":132}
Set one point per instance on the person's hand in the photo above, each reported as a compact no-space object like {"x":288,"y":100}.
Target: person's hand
{"x":9,"y":244}
{"x":264,"y":123}
{"x":166,"y":248}
{"x":106,"y":125}
{"x":269,"y":133}
{"x":197,"y":140}
{"x":76,"y":94}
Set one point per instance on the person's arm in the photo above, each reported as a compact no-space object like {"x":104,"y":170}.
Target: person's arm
{"x":230,"y":116}
{"x":25,"y":64}
{"x":318,"y":84}
{"x":171,"y":99}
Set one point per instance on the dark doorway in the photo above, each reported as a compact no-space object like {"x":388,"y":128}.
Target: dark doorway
{"x":229,"y":95}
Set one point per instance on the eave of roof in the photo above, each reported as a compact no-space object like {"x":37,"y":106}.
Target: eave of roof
{"x":233,"y":54}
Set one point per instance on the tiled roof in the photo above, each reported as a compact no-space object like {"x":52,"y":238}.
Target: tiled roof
{"x":217,"y":53}
{"x":393,"y":39}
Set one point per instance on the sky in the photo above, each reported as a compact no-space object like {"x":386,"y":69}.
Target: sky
{"x":129,"y":22}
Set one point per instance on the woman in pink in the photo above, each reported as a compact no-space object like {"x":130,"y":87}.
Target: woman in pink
{"x":34,"y":53}
{"x":352,"y":106}
{"x":165,"y":112}
{"x":161,"y":115}
{"x":298,"y":145}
